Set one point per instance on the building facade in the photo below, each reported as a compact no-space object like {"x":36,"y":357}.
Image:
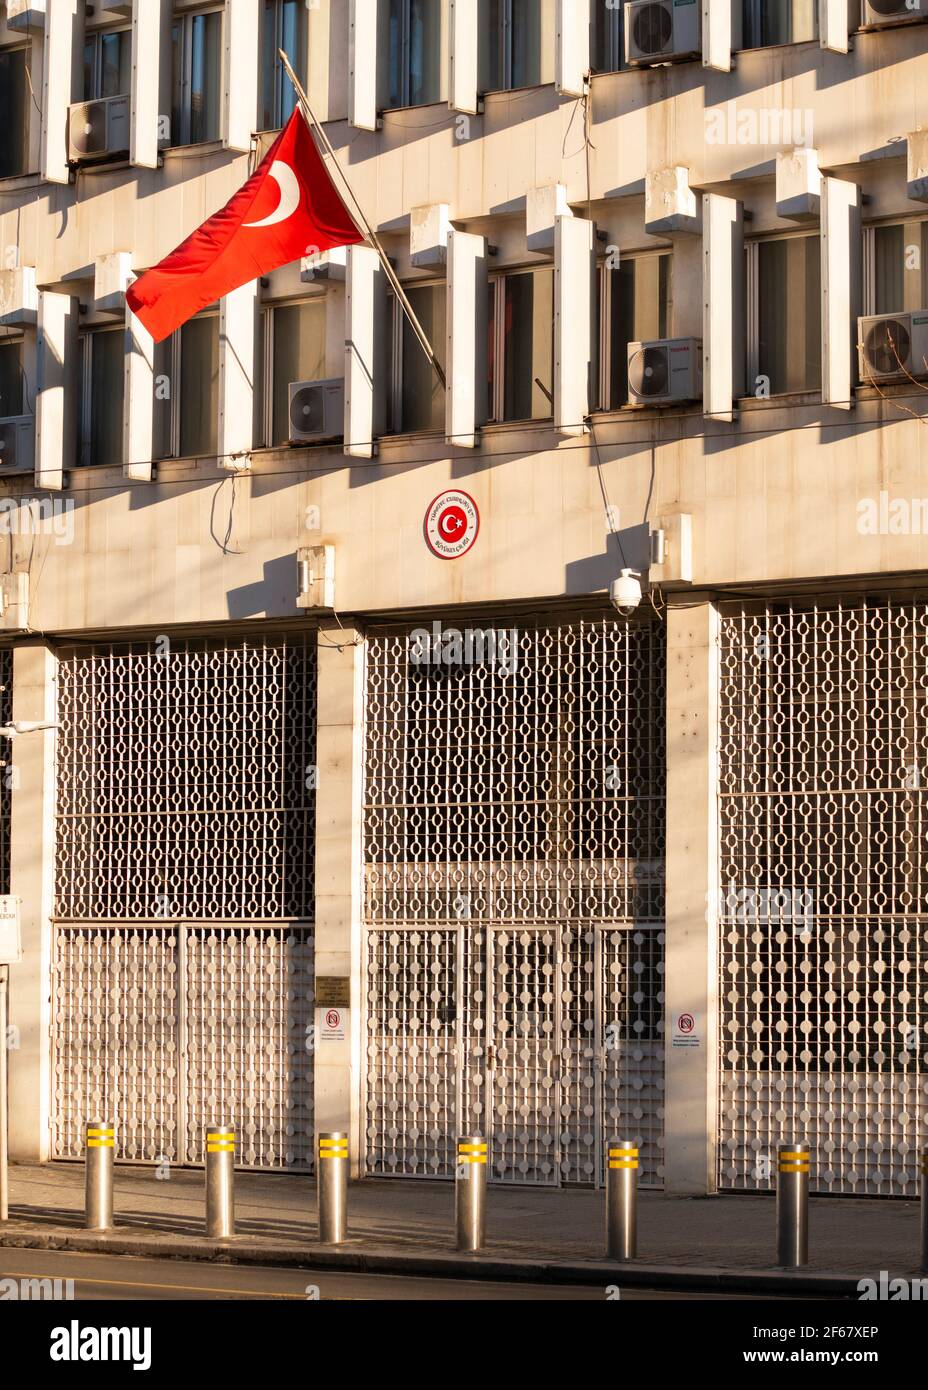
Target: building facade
{"x":323,"y":818}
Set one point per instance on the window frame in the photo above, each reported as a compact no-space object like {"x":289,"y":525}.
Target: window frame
{"x":604,"y":297}
{"x":16,"y":338}
{"x":268,"y":311}
{"x":752,"y":306}
{"x":395,"y":334}
{"x":173,"y":368}
{"x":504,"y":51}
{"x":26,"y":50}
{"x":85,"y":401}
{"x":496,"y":392}
{"x":614,"y":37}
{"x":745,"y":47}
{"x":868,"y":297}
{"x":95,"y":38}
{"x":405,"y":49}
{"x":185,"y":18}
{"x":280,"y":74}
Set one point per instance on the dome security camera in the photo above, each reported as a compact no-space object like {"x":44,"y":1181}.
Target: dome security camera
{"x":625,"y":592}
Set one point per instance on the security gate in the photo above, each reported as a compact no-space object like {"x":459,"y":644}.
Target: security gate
{"x":183,"y":945}
{"x":514,"y":898}
{"x":824,"y":893}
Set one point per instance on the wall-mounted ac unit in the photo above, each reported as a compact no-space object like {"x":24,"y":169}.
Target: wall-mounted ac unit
{"x":98,"y":129}
{"x":893,"y":346}
{"x":17,"y":446}
{"x":878,"y":13}
{"x":665,"y":372}
{"x":660,"y":31}
{"x":317,"y":410}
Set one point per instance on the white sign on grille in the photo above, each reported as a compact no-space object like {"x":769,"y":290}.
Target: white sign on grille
{"x":11,"y":949}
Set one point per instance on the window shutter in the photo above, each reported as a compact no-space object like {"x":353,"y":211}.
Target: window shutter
{"x":572,"y":46}
{"x":56,"y":398}
{"x":237,"y":322}
{"x":466,"y":329}
{"x":723,"y":304}
{"x":362,"y":63}
{"x":841,"y":275}
{"x":61,"y":37}
{"x":242,"y":24}
{"x":138,"y":419}
{"x":148,"y":19}
{"x":365,"y":359}
{"x":462,"y":56}
{"x":835,"y":24}
{"x":716,"y":34}
{"x":574,"y":287}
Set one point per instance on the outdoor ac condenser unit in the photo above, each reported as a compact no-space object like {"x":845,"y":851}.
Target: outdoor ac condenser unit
{"x":885,"y":12}
{"x":317,"y":410}
{"x":659,"y":31}
{"x":665,"y":372}
{"x":16,"y":444}
{"x":98,"y":129}
{"x":893,"y":346}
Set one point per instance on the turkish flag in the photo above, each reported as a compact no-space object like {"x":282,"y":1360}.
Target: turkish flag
{"x":288,"y":208}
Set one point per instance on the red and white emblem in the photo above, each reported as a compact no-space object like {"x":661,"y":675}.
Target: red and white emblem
{"x":451,"y":524}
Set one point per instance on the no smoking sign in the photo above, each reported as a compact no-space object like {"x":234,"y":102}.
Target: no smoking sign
{"x":451,"y":524}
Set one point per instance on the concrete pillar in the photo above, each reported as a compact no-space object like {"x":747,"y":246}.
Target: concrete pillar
{"x":32,"y":873}
{"x":339,"y":791}
{"x":691,"y":1051}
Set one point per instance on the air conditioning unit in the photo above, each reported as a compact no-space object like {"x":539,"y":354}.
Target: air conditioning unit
{"x":665,"y":372}
{"x":17,"y":448}
{"x":98,"y":129}
{"x":660,"y":31}
{"x":317,"y":410}
{"x":893,"y":346}
{"x":879,"y":13}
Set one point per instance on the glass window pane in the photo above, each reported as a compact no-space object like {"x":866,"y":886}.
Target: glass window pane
{"x":529,"y":345}
{"x":115,"y":64}
{"x":162,"y":442}
{"x":525,"y":40}
{"x":199,"y":387}
{"x":423,"y":396}
{"x":608,"y":37}
{"x":90,"y":69}
{"x":11,"y":379}
{"x":490,"y":38}
{"x":12,"y":113}
{"x":424,"y":52}
{"x":106,"y":396}
{"x":298,"y":355}
{"x":789,"y":314}
{"x":899,"y":256}
{"x":284,"y":27}
{"x":768,"y":22}
{"x":205,"y":76}
{"x":269,"y":65}
{"x":642,"y":310}
{"x":177,"y":83}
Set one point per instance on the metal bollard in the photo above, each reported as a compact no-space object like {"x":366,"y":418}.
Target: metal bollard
{"x":332,"y":1187}
{"x":621,"y":1199}
{"x":470,"y":1191}
{"x":925,"y":1209}
{"x":100,"y":1143}
{"x":793,"y":1206}
{"x":220,"y":1181}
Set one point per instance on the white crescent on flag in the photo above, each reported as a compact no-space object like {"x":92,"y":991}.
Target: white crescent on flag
{"x":288,"y":184}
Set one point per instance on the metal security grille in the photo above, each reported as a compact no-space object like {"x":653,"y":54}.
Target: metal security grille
{"x":182,"y":976}
{"x":182,"y":781}
{"x":168,"y":1029}
{"x":514,"y":898}
{"x":824,"y":892}
{"x":7,"y":771}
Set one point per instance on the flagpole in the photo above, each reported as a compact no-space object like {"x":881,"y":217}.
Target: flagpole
{"x":368,"y":229}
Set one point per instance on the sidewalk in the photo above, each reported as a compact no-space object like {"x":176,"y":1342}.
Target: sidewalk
{"x":406,"y":1226}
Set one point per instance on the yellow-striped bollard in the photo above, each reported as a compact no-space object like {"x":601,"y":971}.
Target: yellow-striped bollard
{"x":470,"y":1191}
{"x":332,"y":1187}
{"x":793,"y":1205}
{"x":925,"y":1209}
{"x":100,"y":1140}
{"x":220,"y":1181}
{"x":622,"y":1199}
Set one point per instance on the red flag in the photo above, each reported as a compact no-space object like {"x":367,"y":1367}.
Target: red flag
{"x":288,"y":208}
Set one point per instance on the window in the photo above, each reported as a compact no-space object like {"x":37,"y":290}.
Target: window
{"x":415,"y":52}
{"x":521,"y":345}
{"x":196,"y":77}
{"x":284,"y":27}
{"x":768,"y":22}
{"x":186,"y":423}
{"x":11,"y":377}
{"x":516,"y":44}
{"x":108,"y":64}
{"x":14,"y":125}
{"x":101,"y":396}
{"x":418,"y":396}
{"x":608,"y":36}
{"x":899,"y":279}
{"x":637,"y":307}
{"x":787,"y":346}
{"x":296,"y":352}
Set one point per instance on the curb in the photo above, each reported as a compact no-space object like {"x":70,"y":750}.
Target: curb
{"x":448,"y":1264}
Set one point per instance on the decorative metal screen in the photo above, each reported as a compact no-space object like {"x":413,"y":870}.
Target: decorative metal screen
{"x":182,"y":781}
{"x":7,"y":774}
{"x":186,"y":808}
{"x":514,"y":897}
{"x":169,"y":1029}
{"x":824,"y":893}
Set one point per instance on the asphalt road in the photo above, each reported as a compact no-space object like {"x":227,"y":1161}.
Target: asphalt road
{"x":101,"y":1278}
